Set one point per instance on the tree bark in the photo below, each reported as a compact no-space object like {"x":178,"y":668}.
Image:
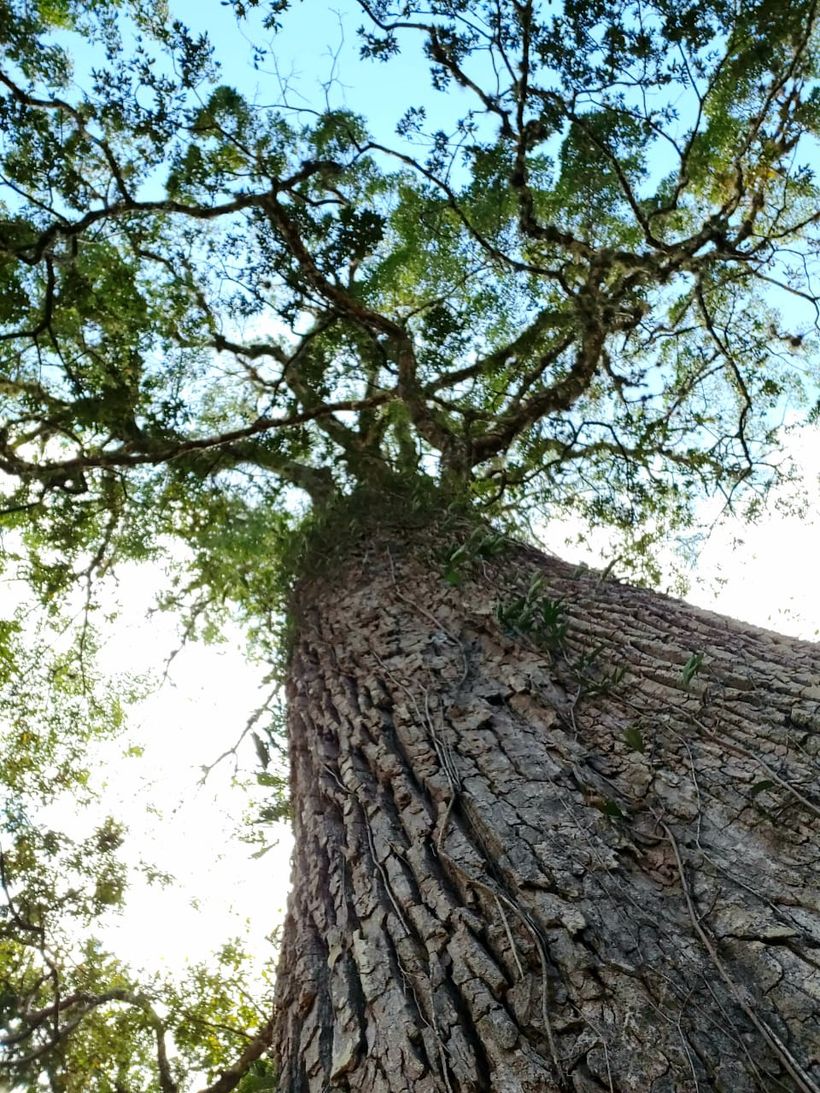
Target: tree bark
{"x":536,"y":860}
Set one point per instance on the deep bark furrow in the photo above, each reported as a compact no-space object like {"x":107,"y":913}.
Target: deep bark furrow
{"x":429,"y":928}
{"x":585,"y":864}
{"x":383,"y":862}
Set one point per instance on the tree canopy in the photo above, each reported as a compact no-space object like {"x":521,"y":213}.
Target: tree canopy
{"x":578,"y":275}
{"x":594,"y":289}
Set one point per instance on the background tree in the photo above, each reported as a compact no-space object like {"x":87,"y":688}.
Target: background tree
{"x":325,"y":361}
{"x":72,"y":1015}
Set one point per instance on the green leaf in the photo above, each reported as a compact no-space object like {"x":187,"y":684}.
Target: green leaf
{"x":760,"y":787}
{"x":691,"y":668}
{"x":634,"y":740}
{"x":262,"y":750}
{"x":253,"y":1084}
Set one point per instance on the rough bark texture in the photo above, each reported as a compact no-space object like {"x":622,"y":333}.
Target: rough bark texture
{"x":533,"y":863}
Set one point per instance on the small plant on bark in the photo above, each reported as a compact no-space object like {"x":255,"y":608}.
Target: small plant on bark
{"x":536,"y":615}
{"x":483,"y":544}
{"x":594,"y":678}
{"x":691,"y":668}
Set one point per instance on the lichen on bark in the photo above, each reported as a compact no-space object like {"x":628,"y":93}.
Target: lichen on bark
{"x":522,"y":865}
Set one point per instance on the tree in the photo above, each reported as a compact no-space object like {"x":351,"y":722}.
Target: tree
{"x":553,"y":832}
{"x":73,"y":1017}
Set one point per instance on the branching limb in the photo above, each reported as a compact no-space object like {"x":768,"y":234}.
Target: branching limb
{"x":233,"y":1075}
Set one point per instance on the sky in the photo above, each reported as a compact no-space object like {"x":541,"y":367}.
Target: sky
{"x":315,"y":59}
{"x":762,"y":573}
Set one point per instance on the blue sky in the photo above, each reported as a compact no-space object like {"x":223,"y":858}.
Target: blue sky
{"x":317,"y":53}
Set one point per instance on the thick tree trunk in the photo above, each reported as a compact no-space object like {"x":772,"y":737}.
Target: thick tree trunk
{"x":529,"y":860}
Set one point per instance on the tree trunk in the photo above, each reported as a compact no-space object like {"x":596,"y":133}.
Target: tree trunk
{"x":545,"y":845}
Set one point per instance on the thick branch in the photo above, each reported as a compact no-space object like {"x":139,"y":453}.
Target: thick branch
{"x":554,"y":399}
{"x":233,"y":1075}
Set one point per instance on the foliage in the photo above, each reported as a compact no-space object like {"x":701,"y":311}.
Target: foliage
{"x":482,"y":544}
{"x":691,"y":668}
{"x":73,"y":1015}
{"x":536,"y":615}
{"x":578,"y":277}
{"x":567,"y":301}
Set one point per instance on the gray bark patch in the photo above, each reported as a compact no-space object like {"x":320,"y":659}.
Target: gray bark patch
{"x":528,"y":865}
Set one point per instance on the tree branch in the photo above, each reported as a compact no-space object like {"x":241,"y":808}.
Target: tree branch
{"x":233,"y":1075}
